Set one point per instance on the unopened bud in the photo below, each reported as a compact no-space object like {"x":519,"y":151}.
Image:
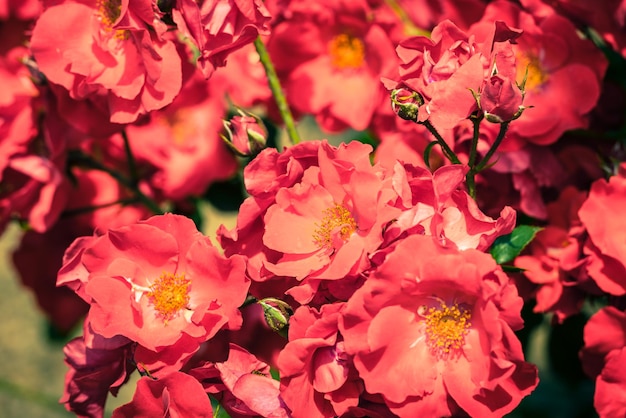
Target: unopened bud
{"x":405,"y":103}
{"x":500,"y":99}
{"x":245,"y":135}
{"x":277,"y":314}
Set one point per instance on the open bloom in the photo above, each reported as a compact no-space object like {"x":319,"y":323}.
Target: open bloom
{"x":433,"y":333}
{"x":159,"y":283}
{"x":317,"y":378}
{"x":176,"y":394}
{"x":218,"y":28}
{"x":563,"y":73}
{"x":114,"y":52}
{"x":316,"y":212}
{"x":436,"y":204}
{"x":603,"y":217}
{"x":444,"y":67}
{"x":243,"y":385}
{"x":331,"y":56}
{"x":603,"y":358}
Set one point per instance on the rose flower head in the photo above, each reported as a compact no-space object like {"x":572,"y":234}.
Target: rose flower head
{"x":118,"y":50}
{"x":445,"y":68}
{"x":431,"y":330}
{"x":159,"y":283}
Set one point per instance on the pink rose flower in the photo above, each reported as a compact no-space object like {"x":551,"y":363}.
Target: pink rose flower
{"x":436,"y":204}
{"x":602,"y":216}
{"x":444,"y":67}
{"x":317,"y":222}
{"x":219,"y":28}
{"x":603,"y":358}
{"x":564,"y":73}
{"x":245,"y":388}
{"x":554,"y":261}
{"x":330,"y":56}
{"x":114,"y":52}
{"x":159,"y":283}
{"x":179,"y":149}
{"x":176,"y":394}
{"x":96,"y":367}
{"x":317,"y":377}
{"x":433,"y":333}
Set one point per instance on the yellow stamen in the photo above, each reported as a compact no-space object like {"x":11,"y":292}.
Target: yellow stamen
{"x":108,"y":13}
{"x":346,"y":51}
{"x":337,"y":222}
{"x":446,"y":328}
{"x":169,"y":294}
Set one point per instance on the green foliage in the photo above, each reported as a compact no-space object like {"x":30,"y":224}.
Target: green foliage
{"x":507,"y":247}
{"x":218,"y":411}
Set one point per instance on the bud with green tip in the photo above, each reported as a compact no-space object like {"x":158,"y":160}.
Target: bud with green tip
{"x":277,"y":314}
{"x":246,"y":134}
{"x":406,"y":103}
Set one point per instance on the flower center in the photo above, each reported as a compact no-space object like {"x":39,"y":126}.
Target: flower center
{"x":180,"y":127}
{"x":169,"y":294}
{"x":536,"y":75}
{"x":446,"y":328}
{"x":346,"y":51}
{"x":337,"y":226}
{"x":108,"y":13}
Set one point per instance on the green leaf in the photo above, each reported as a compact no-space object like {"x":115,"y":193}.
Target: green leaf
{"x":427,"y":151}
{"x":218,"y":411}
{"x":507,"y":247}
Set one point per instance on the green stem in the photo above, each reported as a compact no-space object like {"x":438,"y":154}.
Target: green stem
{"x":277,"y":91}
{"x":88,"y":209}
{"x":132,"y":166}
{"x":78,"y":158}
{"x":483,"y":163}
{"x":442,"y":143}
{"x":410,"y":29}
{"x":471,"y":174}
{"x":249,"y":301}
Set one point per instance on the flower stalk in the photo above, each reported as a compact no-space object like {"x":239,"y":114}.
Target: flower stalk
{"x":277,"y":91}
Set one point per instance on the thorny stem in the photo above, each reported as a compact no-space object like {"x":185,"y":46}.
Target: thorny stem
{"x":130,"y":158}
{"x":277,"y":91}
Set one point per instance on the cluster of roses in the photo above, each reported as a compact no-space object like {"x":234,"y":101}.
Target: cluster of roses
{"x":380,"y":270}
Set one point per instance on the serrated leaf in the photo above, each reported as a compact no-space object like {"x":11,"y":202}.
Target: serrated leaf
{"x":507,"y":247}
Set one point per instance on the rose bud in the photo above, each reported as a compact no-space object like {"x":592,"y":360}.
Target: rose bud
{"x":246,"y":135}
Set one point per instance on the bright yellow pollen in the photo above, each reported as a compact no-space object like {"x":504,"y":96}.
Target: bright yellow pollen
{"x":109,"y":11}
{"x":169,"y":294}
{"x":446,"y":328}
{"x":536,"y":75}
{"x":337,"y":221}
{"x":346,"y":51}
